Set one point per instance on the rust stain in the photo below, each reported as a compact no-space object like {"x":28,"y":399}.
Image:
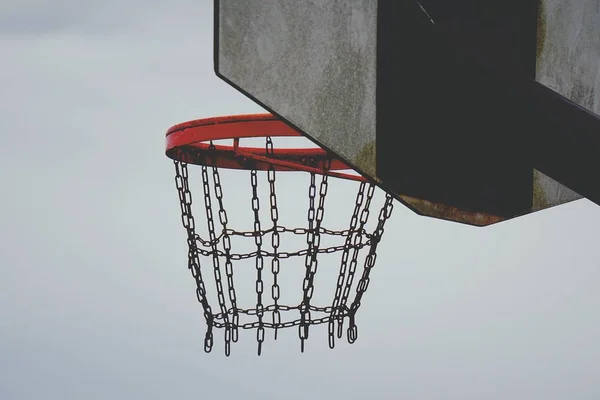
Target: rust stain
{"x":450,"y":213}
{"x":540,"y":201}
{"x":365,"y":160}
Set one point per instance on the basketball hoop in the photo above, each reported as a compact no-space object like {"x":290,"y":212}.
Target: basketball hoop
{"x":194,"y":143}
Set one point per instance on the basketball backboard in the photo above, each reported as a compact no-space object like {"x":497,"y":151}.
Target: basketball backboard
{"x":469,"y":111}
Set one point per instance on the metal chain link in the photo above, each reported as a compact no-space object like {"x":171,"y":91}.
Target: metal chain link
{"x":304,"y":309}
{"x":227,"y":250}
{"x":356,"y":238}
{"x":280,"y":229}
{"x":337,"y":299}
{"x":364,"y":216}
{"x":281,"y":254}
{"x":275,"y":239}
{"x":216,"y":267}
{"x":313,"y":239}
{"x":260,"y":331}
{"x":384,"y":215}
{"x":187,"y":218}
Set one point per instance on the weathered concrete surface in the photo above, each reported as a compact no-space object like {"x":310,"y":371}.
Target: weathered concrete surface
{"x":568,"y":59}
{"x":568,"y":62}
{"x":313,"y":64}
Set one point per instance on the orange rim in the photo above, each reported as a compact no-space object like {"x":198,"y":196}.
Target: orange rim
{"x":190,"y":142}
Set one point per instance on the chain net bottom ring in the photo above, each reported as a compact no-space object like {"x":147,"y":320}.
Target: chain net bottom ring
{"x":267,"y":313}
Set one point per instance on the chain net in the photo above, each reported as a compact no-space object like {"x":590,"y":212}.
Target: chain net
{"x":218,"y":258}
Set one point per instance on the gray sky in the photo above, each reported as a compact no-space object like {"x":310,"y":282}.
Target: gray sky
{"x":96,"y":301}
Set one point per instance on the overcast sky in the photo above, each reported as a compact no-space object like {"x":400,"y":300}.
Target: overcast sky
{"x":96,"y":301}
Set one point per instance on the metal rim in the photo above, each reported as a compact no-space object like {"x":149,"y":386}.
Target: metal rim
{"x":190,"y":142}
